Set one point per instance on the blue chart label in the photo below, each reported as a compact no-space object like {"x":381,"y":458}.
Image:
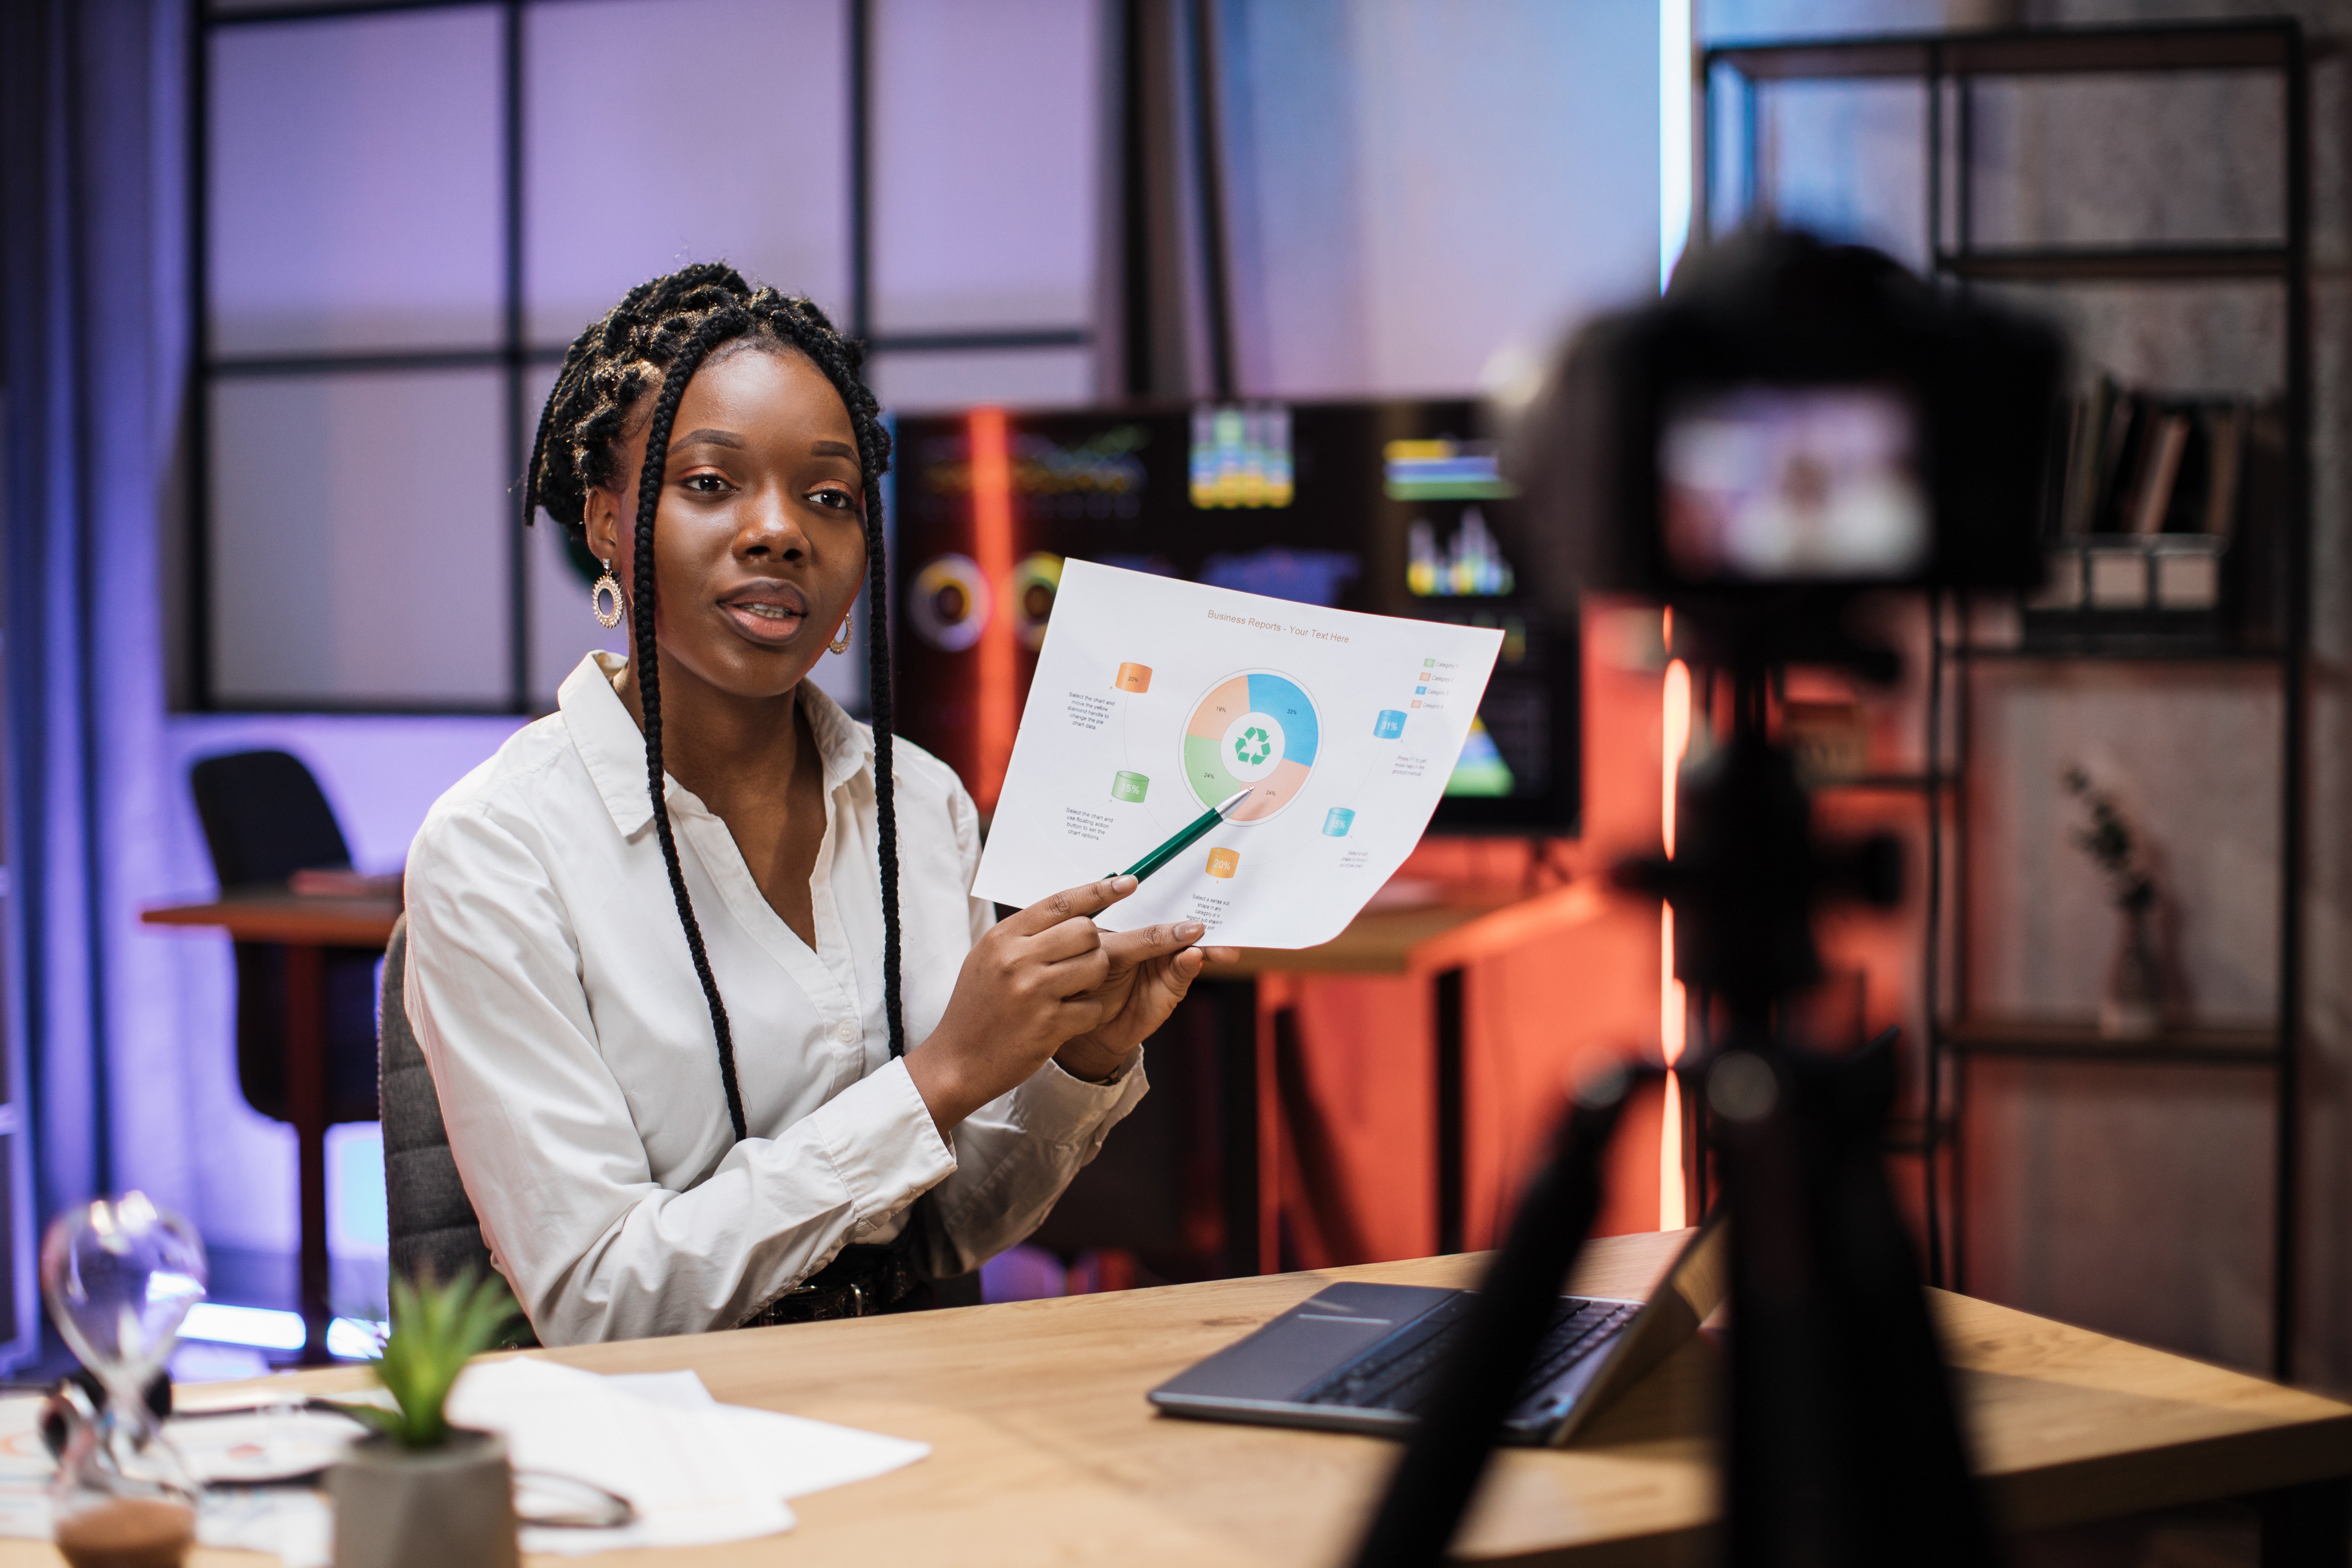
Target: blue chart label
{"x":1337,"y":821}
{"x":1390,"y":726}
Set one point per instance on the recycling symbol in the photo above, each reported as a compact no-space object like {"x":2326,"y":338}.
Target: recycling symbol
{"x":1253,"y":746}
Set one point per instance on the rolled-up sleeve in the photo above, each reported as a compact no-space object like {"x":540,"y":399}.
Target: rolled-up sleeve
{"x":595,"y":1248}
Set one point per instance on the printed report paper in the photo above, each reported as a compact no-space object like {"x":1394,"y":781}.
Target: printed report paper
{"x":1156,"y":699}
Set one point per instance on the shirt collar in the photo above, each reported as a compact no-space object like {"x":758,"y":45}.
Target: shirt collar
{"x":846,"y":745}
{"x":614,"y":749}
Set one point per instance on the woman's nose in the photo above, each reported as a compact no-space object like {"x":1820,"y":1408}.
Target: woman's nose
{"x":771,"y":530}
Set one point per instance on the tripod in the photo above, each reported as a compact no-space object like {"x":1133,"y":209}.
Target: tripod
{"x":1844,"y":1449}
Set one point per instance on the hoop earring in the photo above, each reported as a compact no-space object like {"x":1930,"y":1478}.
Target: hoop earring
{"x":605,"y":585}
{"x":841,"y":643}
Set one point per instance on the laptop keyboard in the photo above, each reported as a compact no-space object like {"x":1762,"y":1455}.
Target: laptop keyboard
{"x":1397,"y":1374}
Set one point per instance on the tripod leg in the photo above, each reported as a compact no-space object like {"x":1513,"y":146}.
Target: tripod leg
{"x":1846,"y":1449}
{"x":1434,"y":1483}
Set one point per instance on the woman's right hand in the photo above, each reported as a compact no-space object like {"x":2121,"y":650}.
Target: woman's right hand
{"x":1026,"y":989}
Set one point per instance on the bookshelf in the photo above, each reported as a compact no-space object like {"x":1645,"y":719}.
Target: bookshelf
{"x":1734,"y":81}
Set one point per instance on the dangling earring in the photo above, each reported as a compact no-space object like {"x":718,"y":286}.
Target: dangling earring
{"x":841,"y":643}
{"x":605,"y":585}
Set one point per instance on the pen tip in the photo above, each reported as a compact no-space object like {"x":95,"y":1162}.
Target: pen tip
{"x":1227,"y":808}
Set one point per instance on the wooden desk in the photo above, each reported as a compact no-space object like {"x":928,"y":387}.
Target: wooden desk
{"x":1466,"y":924}
{"x":307,"y":926}
{"x":1044,"y":1450}
{"x":1433,"y":943}
{"x":273,"y":914}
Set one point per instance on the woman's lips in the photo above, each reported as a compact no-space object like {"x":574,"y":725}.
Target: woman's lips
{"x":771,"y":620}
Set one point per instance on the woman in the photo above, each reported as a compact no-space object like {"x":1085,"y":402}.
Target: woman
{"x":693,"y":959}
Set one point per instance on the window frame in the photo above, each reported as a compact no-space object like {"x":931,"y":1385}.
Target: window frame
{"x":513,"y":354}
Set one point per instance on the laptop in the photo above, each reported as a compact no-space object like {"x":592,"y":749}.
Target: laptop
{"x":1364,"y":1358}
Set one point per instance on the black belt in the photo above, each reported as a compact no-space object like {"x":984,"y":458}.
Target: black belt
{"x":860,"y":1282}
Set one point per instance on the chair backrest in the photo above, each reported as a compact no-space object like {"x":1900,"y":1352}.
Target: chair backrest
{"x":265,"y":817}
{"x":432,"y":1221}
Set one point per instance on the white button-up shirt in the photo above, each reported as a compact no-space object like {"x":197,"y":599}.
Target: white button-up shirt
{"x":550,"y":986}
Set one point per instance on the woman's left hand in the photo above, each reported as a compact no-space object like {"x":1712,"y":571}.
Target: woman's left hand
{"x":1150,"y":970}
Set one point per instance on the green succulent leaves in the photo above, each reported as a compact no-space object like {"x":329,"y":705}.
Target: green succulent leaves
{"x":437,"y":1329}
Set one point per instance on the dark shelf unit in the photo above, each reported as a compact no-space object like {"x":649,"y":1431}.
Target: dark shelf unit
{"x":1946,"y":64}
{"x":2073,"y":1040}
{"x":2160,"y":263}
{"x":2147,"y":647}
{"x":1884,"y":784}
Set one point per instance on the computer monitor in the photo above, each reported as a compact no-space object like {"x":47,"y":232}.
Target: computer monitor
{"x":1384,"y":507}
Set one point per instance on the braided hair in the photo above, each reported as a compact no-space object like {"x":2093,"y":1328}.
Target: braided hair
{"x":653,"y":342}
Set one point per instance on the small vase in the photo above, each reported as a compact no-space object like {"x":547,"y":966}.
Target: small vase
{"x":450,"y":1506}
{"x":2132,"y":1005}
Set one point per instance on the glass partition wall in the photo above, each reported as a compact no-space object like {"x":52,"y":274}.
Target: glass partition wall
{"x":402,"y":212}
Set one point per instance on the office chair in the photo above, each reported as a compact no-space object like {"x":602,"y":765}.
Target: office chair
{"x":266,"y":819}
{"x":433,"y":1229}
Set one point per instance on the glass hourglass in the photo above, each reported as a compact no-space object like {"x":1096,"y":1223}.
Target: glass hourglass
{"x":120,"y":1275}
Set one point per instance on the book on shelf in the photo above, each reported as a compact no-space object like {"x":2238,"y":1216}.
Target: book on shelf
{"x":2137,"y":463}
{"x":2225,"y":445}
{"x":2118,"y":450}
{"x":2159,"y":466}
{"x":2157,"y":489}
{"x":2086,"y":441}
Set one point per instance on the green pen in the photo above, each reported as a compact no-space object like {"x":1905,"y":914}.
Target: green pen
{"x":1184,"y":840}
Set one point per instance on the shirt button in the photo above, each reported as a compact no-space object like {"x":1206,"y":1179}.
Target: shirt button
{"x":847,"y":1034}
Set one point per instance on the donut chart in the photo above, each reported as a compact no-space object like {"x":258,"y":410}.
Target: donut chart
{"x":950,"y":603}
{"x":1256,"y":731}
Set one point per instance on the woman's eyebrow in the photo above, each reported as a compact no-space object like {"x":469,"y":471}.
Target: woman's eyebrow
{"x":832,"y":449}
{"x":708,"y":438}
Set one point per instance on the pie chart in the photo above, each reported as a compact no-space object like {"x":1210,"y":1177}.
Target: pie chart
{"x":1254,"y":730}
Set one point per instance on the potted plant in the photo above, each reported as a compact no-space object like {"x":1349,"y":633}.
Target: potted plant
{"x":2131,"y":1005}
{"x":421,"y":1493}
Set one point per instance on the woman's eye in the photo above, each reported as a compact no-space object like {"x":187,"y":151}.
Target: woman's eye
{"x":705,"y":484}
{"x":839,"y":500}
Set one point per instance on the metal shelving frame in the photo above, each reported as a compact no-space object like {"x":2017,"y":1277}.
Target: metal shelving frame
{"x":1948,"y":65}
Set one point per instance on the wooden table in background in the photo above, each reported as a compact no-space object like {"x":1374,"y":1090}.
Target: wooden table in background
{"x":1044,"y":1451}
{"x":1433,"y":943}
{"x":305,"y":926}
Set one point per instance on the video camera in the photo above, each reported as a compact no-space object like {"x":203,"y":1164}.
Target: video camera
{"x":1794,"y":422}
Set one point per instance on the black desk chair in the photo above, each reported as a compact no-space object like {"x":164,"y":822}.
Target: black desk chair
{"x":434,"y":1227}
{"x":435,"y":1232}
{"x":266,"y":819}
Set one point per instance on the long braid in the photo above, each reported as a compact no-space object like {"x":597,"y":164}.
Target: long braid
{"x":669,"y":327}
{"x":806,"y":327}
{"x":572,"y":358}
{"x":649,"y":488}
{"x":878,"y":686}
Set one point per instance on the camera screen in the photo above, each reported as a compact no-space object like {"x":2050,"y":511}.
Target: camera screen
{"x":1793,"y":484}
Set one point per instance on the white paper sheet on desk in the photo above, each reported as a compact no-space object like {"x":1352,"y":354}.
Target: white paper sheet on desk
{"x":698,"y":1471}
{"x":1155,"y":699}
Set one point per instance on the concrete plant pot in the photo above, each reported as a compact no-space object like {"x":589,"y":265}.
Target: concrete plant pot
{"x":449,"y":1507}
